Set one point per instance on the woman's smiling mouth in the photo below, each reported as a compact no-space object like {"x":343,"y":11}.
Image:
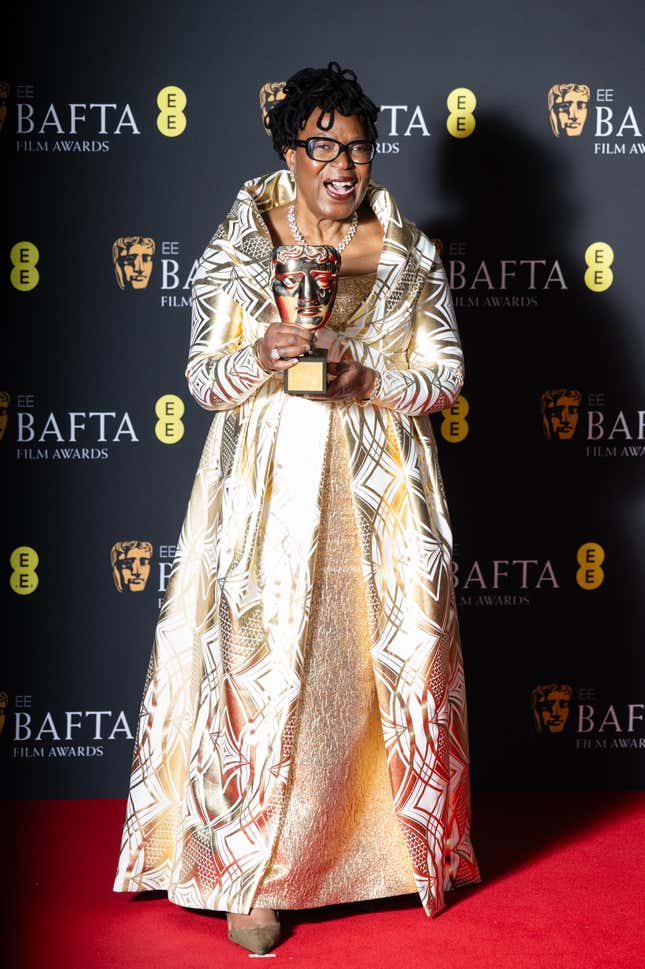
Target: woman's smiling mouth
{"x":340,"y":189}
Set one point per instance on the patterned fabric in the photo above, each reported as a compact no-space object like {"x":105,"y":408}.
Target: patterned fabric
{"x":340,"y":839}
{"x":215,"y":735}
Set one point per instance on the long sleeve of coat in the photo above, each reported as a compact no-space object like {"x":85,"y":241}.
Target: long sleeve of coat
{"x":435,"y":371}
{"x":222,"y":367}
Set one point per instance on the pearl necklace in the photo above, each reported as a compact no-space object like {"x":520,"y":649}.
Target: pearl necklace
{"x":297,"y":234}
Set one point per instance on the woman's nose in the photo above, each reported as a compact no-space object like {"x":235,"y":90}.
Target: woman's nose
{"x":343,"y":159}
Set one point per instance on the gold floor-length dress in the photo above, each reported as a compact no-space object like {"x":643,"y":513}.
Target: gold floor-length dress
{"x":210,"y":790}
{"x":340,"y":839}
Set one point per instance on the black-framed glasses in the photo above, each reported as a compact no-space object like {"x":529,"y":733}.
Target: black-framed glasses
{"x":326,"y":149}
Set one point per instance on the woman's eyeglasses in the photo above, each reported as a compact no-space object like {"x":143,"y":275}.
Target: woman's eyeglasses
{"x":326,"y":149}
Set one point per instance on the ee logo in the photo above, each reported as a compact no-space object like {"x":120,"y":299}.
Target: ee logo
{"x":590,"y":557}
{"x":24,"y":562}
{"x":461,"y":120}
{"x":454,"y":426}
{"x":24,"y":275}
{"x":599,"y":257}
{"x":170,"y":427}
{"x":171,"y":120}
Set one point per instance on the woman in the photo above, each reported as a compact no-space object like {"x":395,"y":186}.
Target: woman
{"x":303,"y":735}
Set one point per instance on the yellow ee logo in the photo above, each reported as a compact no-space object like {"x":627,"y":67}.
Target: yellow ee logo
{"x":590,"y":557}
{"x":170,"y":427}
{"x":454,"y":426}
{"x":599,"y":257}
{"x":171,"y":119}
{"x":461,"y":104}
{"x":24,"y":562}
{"x":24,"y":275}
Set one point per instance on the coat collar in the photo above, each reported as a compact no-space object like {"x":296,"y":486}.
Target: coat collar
{"x":242,"y":259}
{"x":279,"y":188}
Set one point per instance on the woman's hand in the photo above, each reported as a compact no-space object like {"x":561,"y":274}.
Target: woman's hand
{"x":292,"y":342}
{"x":346,"y":380}
{"x":326,"y":338}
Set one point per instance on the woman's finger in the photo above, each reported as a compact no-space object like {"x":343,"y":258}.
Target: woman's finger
{"x":294,"y":350}
{"x":285,"y":364}
{"x":289,"y":348}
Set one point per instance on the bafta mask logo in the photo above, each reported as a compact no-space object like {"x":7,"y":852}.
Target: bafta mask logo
{"x":131,"y":565}
{"x":132,"y":258}
{"x":5,"y":400}
{"x":551,"y":704}
{"x":560,"y":411}
{"x":568,"y":104}
{"x":4,"y":702}
{"x":4,"y":97}
{"x":305,"y":280}
{"x":270,"y":93}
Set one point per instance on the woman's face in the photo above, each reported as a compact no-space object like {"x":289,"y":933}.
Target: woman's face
{"x":333,"y":189}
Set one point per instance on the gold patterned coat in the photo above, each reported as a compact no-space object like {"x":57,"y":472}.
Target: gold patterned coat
{"x":215,"y":734}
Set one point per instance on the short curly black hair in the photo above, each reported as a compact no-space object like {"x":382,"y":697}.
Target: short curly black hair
{"x":330,"y":88}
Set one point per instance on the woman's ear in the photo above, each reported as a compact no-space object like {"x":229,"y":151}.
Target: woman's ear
{"x":290,"y":158}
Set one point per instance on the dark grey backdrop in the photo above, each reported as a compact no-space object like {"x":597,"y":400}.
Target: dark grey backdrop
{"x":511,"y":191}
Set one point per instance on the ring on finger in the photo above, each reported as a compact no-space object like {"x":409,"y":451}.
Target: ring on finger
{"x":275,"y":354}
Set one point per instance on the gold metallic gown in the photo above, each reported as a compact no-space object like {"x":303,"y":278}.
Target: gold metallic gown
{"x":258,"y":774}
{"x":340,"y":839}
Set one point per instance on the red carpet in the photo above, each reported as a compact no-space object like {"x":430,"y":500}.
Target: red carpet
{"x":563,"y":888}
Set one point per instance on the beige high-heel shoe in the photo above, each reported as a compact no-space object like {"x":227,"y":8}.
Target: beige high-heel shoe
{"x":258,"y":939}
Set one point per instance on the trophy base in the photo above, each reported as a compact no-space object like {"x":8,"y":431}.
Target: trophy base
{"x":309,"y":375}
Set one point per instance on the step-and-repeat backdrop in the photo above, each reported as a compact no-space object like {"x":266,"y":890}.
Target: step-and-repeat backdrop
{"x":518,"y":139}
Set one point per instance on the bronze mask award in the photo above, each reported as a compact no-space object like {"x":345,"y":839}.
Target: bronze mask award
{"x":304,"y":282}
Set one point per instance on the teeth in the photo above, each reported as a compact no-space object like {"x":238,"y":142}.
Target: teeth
{"x":342,"y":185}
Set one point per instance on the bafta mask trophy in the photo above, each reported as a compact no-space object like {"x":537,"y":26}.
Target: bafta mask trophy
{"x":304,"y":281}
